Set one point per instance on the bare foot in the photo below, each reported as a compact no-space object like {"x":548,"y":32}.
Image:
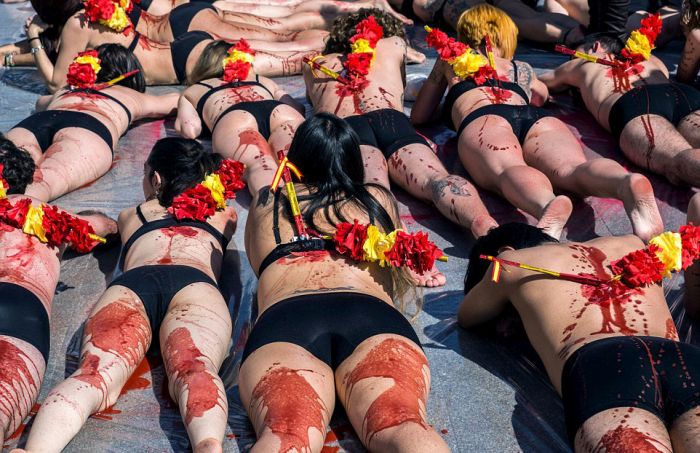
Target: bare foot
{"x":482,"y":225}
{"x":208,"y":446}
{"x":413,"y":56}
{"x":555,"y":216}
{"x":386,"y":7}
{"x":430,"y":279}
{"x":640,"y":204}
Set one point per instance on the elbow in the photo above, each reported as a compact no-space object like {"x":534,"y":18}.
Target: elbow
{"x":53,"y":87}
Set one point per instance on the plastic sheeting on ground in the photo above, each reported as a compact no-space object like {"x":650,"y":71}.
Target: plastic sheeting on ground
{"x":488,"y":391}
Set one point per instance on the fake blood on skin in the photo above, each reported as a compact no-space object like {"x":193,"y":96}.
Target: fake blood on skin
{"x":16,"y":376}
{"x":170,"y":233}
{"x":184,"y":361}
{"x":625,"y":439}
{"x":293,"y":406}
{"x":121,"y":329}
{"x":393,"y":359}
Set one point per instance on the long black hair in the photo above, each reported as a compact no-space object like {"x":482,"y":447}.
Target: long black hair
{"x":56,"y":12}
{"x":515,"y":234}
{"x":327,"y":152}
{"x":181,"y":163}
{"x":117,"y":60}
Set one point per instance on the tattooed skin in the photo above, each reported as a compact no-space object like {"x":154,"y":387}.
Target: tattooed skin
{"x":457,"y":185}
{"x":263,"y":197}
{"x":525,"y":76}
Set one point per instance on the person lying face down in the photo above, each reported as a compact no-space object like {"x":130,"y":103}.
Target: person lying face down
{"x":611,"y":351}
{"x":168,"y":287}
{"x":653,"y":118}
{"x":29,"y":271}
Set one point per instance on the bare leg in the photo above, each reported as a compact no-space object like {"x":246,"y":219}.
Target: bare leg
{"x":289,"y":396}
{"x":577,"y":9}
{"x":21,"y":370}
{"x":689,"y":65}
{"x":384,"y":386}
{"x":692,"y":274}
{"x":295,"y":22}
{"x":551,"y":148}
{"x":194,"y":338}
{"x":669,"y":153}
{"x":621,"y":429}
{"x":685,"y":432}
{"x":115,"y":340}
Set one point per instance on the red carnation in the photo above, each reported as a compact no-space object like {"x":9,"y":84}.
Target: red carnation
{"x":651,"y":27}
{"x":5,"y":206}
{"x":485,"y":73}
{"x":358,"y":63}
{"x":368,"y":29}
{"x":414,"y":251}
{"x":231,"y":175}
{"x":437,"y":38}
{"x":243,"y":46}
{"x":349,"y":239}
{"x":633,"y":58}
{"x":236,"y":70}
{"x":82,"y":74}
{"x":690,"y":239}
{"x":56,"y":225}
{"x":16,"y":214}
{"x":639,"y":268}
{"x":79,"y":234}
{"x":196,"y":203}
{"x":446,"y":47}
{"x":96,"y":10}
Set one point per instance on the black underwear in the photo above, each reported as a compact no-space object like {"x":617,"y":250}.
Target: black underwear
{"x":330,"y":326}
{"x":156,"y":285}
{"x":23,"y":316}
{"x":44,"y":125}
{"x":650,"y":373}
{"x":181,"y":49}
{"x":520,"y":117}
{"x":673,"y":101}
{"x":385,"y":129}
{"x":181,"y":17}
{"x":261,"y":111}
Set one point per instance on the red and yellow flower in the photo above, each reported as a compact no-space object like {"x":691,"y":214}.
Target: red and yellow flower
{"x":110,"y":13}
{"x":465,"y":61}
{"x":238,"y":62}
{"x":3,"y":184}
{"x":363,"y":51}
{"x":82,"y":73}
{"x":641,"y":41}
{"x":203,"y":200}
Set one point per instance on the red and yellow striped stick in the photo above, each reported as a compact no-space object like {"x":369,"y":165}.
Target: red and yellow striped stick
{"x":283,"y":172}
{"x":115,"y":80}
{"x":584,"y":56}
{"x":499,"y":262}
{"x":489,"y":53}
{"x":329,"y":72}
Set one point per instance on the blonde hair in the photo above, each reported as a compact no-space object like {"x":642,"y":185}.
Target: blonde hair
{"x":484,"y":19}
{"x":209,"y":65}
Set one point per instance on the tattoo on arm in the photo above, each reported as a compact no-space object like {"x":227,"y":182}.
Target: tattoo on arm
{"x":263,"y":197}
{"x":525,"y":76}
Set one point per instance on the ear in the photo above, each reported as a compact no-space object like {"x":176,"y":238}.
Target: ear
{"x":505,"y":248}
{"x":596,"y":46}
{"x":156,"y":180}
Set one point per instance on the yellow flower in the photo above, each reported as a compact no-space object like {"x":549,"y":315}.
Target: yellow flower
{"x":361,"y":46}
{"x":671,"y":253}
{"x":119,"y":21}
{"x":639,"y":43}
{"x":124,"y":4}
{"x":237,"y":55}
{"x":376,"y":244}
{"x":33,"y":224}
{"x":213,"y":183}
{"x":468,"y":63}
{"x":92,"y":61}
{"x":3,"y":192}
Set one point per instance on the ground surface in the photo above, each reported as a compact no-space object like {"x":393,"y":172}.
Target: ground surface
{"x":488,"y":394}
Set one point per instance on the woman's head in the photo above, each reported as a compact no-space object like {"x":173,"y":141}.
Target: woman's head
{"x":18,"y":166}
{"x":210,"y":62}
{"x":56,"y":12}
{"x":484,"y":19}
{"x":175,"y":165}
{"x":344,"y":28}
{"x":603,"y":44}
{"x":510,"y":235}
{"x":116,"y":60}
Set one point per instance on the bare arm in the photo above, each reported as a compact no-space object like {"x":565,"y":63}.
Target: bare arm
{"x":188,"y":124}
{"x":430,"y":95}
{"x":689,"y":64}
{"x":151,"y":106}
{"x":43,"y":102}
{"x":559,"y":79}
{"x":484,"y":302}
{"x":527,"y":79}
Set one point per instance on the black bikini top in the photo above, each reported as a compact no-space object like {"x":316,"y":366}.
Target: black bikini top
{"x":148,"y":226}
{"x":299,"y":245}
{"x":463,"y":86}
{"x":92,"y":92}
{"x":203,"y":100}
{"x":135,"y":14}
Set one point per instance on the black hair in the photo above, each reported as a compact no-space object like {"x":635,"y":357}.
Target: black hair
{"x":327,"y":152}
{"x":515,"y":234}
{"x":18,"y":165}
{"x":182,"y":164}
{"x":116,"y":60}
{"x":56,"y":12}
{"x":610,"y":43}
{"x":50,"y":39}
{"x":344,"y":28}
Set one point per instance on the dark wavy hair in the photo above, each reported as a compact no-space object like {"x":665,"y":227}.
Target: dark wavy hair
{"x":117,"y":60}
{"x":344,"y":28}
{"x":56,"y":12}
{"x":50,"y":38}
{"x":18,"y":165}
{"x":610,"y":43}
{"x":182,"y":164}
{"x":515,"y":234}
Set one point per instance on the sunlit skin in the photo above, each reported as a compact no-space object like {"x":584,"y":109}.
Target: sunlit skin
{"x":155,"y":57}
{"x":78,"y":156}
{"x":560,"y":317}
{"x":289,"y":393}
{"x":549,"y":159}
{"x":27,"y":262}
{"x":692,"y":274}
{"x":236,"y":134}
{"x":193,"y":337}
{"x":414,"y":167}
{"x":649,"y":141}
{"x":689,"y":63}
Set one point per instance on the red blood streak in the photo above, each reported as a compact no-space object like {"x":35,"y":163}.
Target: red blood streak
{"x":305,"y":257}
{"x":252,"y":138}
{"x":293,"y":406}
{"x":444,"y":431}
{"x":624,"y":439}
{"x":18,"y":389}
{"x":137,"y":381}
{"x":393,"y":359}
{"x":121,"y":329}
{"x":89,"y":373}
{"x":20,"y":429}
{"x":184,"y":362}
{"x":170,"y":233}
{"x":671,"y":332}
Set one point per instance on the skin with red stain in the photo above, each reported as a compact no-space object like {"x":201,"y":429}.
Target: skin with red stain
{"x":184,"y":362}
{"x":293,"y":406}
{"x":304,"y":257}
{"x":625,"y":439}
{"x":402,"y":403}
{"x":89,"y":373}
{"x":18,"y":387}
{"x":671,"y":332}
{"x":171,"y":233}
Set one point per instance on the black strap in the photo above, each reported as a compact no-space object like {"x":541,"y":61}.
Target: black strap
{"x":134,"y":42}
{"x":139,"y":213}
{"x":515,"y":71}
{"x":276,"y":216}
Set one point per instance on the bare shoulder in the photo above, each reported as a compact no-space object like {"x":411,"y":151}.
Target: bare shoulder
{"x":394,"y":44}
